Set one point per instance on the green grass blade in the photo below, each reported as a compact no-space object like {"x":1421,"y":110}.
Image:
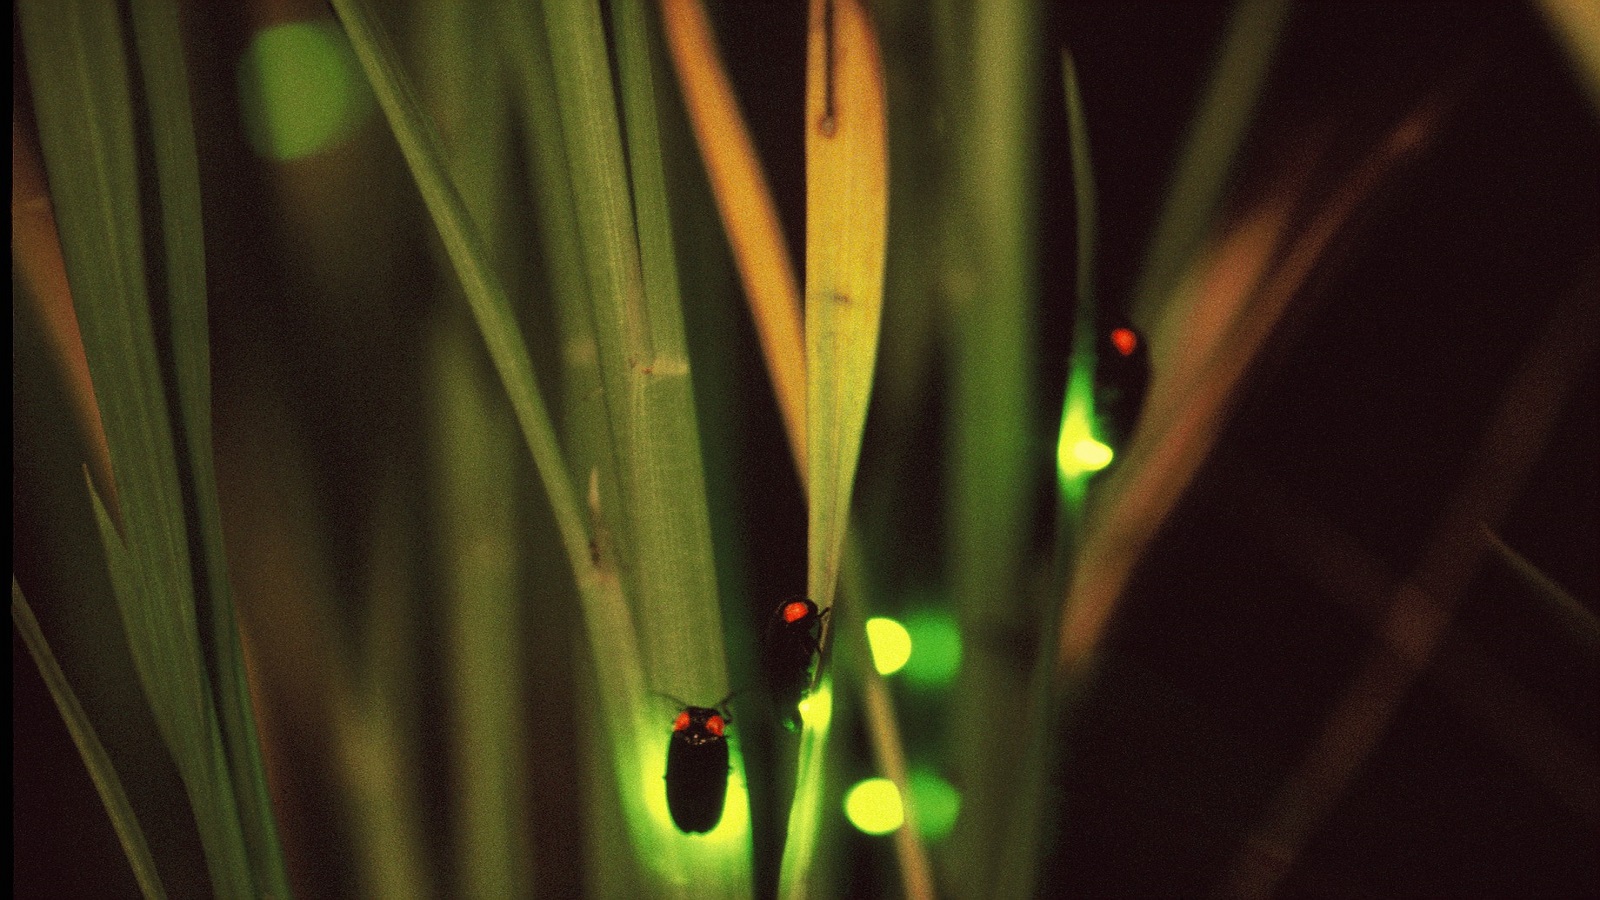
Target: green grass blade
{"x":79,"y":75}
{"x":666,"y":491}
{"x":634,"y":734}
{"x":101,"y":771}
{"x":989,"y":61}
{"x":166,"y":89}
{"x":475,"y":449}
{"x":656,"y":513}
{"x":610,"y":623}
{"x":1210,"y":149}
{"x":1077,"y":410}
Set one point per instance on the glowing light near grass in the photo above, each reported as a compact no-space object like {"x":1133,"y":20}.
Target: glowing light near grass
{"x":1089,"y":455}
{"x":936,"y":801}
{"x":673,"y":854}
{"x":301,"y":89}
{"x":816,"y":710}
{"x":936,"y":643}
{"x":891,"y":645}
{"x":874,"y":807}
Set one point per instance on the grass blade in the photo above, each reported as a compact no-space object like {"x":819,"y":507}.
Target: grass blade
{"x":101,"y":771}
{"x":847,"y":177}
{"x":1025,"y":818}
{"x":475,"y":449}
{"x":621,"y":685}
{"x":846,"y":233}
{"x":1209,"y":149}
{"x":166,"y":90}
{"x":83,"y":99}
{"x":646,"y":379}
{"x":1556,"y":603}
{"x":657,"y":512}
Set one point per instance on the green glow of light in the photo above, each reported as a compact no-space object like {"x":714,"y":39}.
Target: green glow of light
{"x":675,"y":855}
{"x":936,"y":801}
{"x":1091,"y":455}
{"x":816,"y":710}
{"x":1078,"y":453}
{"x":301,"y":89}
{"x":874,"y":807}
{"x":891,"y":644}
{"x":805,"y":811}
{"x":937,"y":640}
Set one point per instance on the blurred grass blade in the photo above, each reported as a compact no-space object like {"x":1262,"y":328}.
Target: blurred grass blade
{"x":89,"y":747}
{"x":988,"y":71}
{"x":1575,"y":618}
{"x":491,"y":309}
{"x":166,"y":91}
{"x":83,"y":100}
{"x":749,"y":215}
{"x":475,"y":450}
{"x":847,"y":178}
{"x":1576,"y":24}
{"x":1206,"y":161}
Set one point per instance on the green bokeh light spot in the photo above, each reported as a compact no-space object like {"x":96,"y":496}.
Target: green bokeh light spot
{"x":937,"y":640}
{"x":301,"y":89}
{"x":936,"y":801}
{"x":891,"y":644}
{"x":874,"y":807}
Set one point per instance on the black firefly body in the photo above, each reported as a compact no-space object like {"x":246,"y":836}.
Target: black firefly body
{"x":697,"y":769}
{"x":790,"y":646}
{"x":1121,"y":375}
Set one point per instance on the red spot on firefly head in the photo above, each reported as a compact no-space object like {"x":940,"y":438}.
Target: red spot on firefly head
{"x":681,"y":722}
{"x":715,"y":725}
{"x":794,"y":612}
{"x":1125,"y":340}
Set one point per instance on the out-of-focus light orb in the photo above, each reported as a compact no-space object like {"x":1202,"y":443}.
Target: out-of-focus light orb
{"x":891,"y":644}
{"x":936,"y":801}
{"x":301,"y":89}
{"x":937,"y":648}
{"x":874,"y":807}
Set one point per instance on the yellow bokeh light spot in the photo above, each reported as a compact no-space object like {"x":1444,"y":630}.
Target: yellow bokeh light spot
{"x":874,"y":806}
{"x":890,"y":643}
